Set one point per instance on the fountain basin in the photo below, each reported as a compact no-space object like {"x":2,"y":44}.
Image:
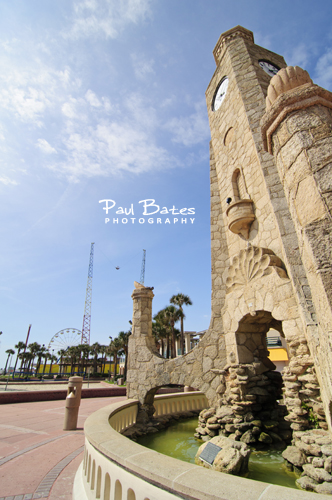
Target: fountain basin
{"x":113,"y":464}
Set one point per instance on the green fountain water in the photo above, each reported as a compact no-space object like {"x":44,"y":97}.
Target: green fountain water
{"x":177,"y":441}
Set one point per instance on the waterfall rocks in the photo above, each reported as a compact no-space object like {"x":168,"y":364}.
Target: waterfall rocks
{"x":311,"y":451}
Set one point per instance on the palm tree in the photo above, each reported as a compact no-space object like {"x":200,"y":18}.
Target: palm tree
{"x":10,"y":352}
{"x":172,"y":314}
{"x":103,"y":351}
{"x":47,"y":355}
{"x":52,"y":358}
{"x":61,"y":353}
{"x":124,"y":339}
{"x":85,"y":353}
{"x":40,"y":353}
{"x":109,"y":352}
{"x":73,"y":352}
{"x":159,"y":331}
{"x":95,"y":350}
{"x":19,"y":346}
{"x":34,"y":349}
{"x":25,"y":357}
{"x":180,"y":300}
{"x":163,"y":328}
{"x":115,"y":348}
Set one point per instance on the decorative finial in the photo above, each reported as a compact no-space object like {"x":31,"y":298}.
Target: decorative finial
{"x":286,"y":79}
{"x":138,"y":285}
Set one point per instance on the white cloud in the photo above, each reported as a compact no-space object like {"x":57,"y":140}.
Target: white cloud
{"x":106,"y":18}
{"x":262,"y":40}
{"x":68,"y":109}
{"x":45,"y":146}
{"x":31,"y":88}
{"x":110,"y":148}
{"x":143,"y":114}
{"x":92,"y":99}
{"x":323,"y":70}
{"x":190,"y":130}
{"x":5,"y":180}
{"x":300,"y":55}
{"x":28,"y":104}
{"x":143,"y":68}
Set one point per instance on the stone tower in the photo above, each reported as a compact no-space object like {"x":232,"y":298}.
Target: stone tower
{"x":270,"y":219}
{"x":270,"y":162}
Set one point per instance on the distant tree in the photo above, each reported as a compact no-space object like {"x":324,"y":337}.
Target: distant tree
{"x":73,"y":354}
{"x":103,"y":351}
{"x":61,"y":353}
{"x":172,"y":314}
{"x":180,"y":300}
{"x":115,"y":348}
{"x":34,"y":349}
{"x":161,"y":332}
{"x":10,"y":352}
{"x":40,"y":354}
{"x":85,"y":353}
{"x":19,"y":346}
{"x":95,"y":350}
{"x":47,"y":355}
{"x":161,"y":328}
{"x":27,"y":358}
{"x":124,"y":340}
{"x":53,"y":359}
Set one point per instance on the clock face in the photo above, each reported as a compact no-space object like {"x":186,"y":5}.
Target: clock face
{"x":220,"y":94}
{"x":269,"y":68}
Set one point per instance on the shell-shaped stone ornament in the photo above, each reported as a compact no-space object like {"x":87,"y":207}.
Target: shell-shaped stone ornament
{"x":286,"y":79}
{"x":252,"y":263}
{"x":138,"y":285}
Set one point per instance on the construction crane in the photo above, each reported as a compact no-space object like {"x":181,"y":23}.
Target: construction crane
{"x":85,"y":339}
{"x":143,"y":268}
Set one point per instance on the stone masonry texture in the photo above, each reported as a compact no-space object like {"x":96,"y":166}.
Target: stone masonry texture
{"x":271,"y":200}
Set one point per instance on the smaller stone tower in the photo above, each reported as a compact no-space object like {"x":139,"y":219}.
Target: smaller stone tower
{"x":297,"y":130}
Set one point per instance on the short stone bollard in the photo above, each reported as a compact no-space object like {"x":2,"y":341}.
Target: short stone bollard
{"x":73,"y":401}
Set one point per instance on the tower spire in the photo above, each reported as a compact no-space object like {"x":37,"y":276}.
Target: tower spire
{"x":87,"y":307}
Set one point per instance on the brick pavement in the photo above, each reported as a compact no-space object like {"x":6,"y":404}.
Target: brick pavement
{"x":37,"y":458}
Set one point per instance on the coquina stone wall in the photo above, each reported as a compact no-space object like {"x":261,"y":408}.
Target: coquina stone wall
{"x":270,"y":251}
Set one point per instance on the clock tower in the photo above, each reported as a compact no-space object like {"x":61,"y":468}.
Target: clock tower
{"x":270,"y":171}
{"x":259,"y":281}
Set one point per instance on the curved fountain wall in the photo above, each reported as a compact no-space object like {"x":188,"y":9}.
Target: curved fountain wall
{"x":116,"y":468}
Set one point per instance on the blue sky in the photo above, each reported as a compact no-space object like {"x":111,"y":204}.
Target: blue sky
{"x":104,"y":99}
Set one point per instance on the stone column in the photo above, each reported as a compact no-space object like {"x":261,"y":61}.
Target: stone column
{"x":297,"y":130}
{"x":187,"y":342}
{"x":141,"y":348}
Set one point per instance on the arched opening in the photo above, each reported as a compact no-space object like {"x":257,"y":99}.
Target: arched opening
{"x":118,"y":490}
{"x":98,"y":487}
{"x":107,"y":487}
{"x":131,"y":495}
{"x":93,"y":475}
{"x":251,"y":337}
{"x":89,"y":468}
{"x":238,"y":185}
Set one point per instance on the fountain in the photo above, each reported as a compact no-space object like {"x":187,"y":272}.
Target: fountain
{"x":271,"y":269}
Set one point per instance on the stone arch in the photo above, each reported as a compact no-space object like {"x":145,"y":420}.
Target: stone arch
{"x":251,"y":336}
{"x":147,"y":370}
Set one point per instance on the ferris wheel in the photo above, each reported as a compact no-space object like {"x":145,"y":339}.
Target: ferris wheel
{"x":64,"y":339}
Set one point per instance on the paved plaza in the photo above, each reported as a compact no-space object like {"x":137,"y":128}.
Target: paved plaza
{"x":37,"y":458}
{"x":46,"y":386}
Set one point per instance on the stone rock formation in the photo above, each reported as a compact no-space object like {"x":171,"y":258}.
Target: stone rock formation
{"x":233,"y":458}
